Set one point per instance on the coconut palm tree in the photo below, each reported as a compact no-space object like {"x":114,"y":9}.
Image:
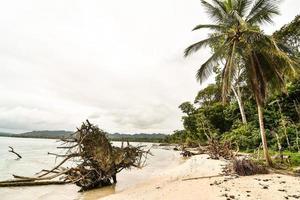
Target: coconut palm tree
{"x":236,"y":30}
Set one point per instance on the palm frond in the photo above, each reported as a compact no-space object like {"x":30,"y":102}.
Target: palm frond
{"x":206,"y":68}
{"x":203,"y":43}
{"x":210,"y":26}
{"x":264,"y":15}
{"x":258,"y":4}
{"x":242,"y":6}
{"x":257,"y":84}
{"x":215,"y":13}
{"x":273,"y":76}
{"x":221,"y":5}
{"x":262,"y":12}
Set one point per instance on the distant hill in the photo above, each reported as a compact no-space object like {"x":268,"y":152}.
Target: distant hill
{"x":139,"y":137}
{"x":5,"y":134}
{"x":45,"y":134}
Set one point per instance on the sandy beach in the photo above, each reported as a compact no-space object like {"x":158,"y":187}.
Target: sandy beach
{"x":178,"y":183}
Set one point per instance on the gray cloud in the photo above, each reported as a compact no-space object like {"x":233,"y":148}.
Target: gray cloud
{"x":65,"y":61}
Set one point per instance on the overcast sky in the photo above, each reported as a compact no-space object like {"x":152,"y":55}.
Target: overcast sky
{"x":118,"y":63}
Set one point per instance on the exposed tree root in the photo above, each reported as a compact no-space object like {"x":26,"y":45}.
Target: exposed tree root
{"x":97,"y":161}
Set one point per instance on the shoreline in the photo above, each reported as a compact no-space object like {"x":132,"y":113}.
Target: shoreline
{"x":199,"y":178}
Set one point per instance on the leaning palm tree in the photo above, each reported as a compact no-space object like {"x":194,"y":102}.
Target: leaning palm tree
{"x":236,"y":30}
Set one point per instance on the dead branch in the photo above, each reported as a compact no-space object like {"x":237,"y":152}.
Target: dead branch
{"x":12,"y":151}
{"x":41,"y":178}
{"x":62,"y":162}
{"x":203,"y":177}
{"x":34,"y":183}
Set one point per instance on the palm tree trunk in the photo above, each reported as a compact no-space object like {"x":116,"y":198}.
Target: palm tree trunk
{"x":263,"y":134}
{"x":238,"y":97}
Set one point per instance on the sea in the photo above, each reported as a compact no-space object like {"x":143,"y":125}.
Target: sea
{"x":35,"y":157}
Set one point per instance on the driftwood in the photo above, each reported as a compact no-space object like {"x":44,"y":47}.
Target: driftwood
{"x":96,"y":161}
{"x":203,"y":177}
{"x":30,"y":183}
{"x":217,"y":150}
{"x":214,"y":148}
{"x":186,"y":153}
{"x":13,"y":151}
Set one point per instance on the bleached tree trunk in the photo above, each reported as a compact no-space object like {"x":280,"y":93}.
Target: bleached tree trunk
{"x":263,"y":134}
{"x":285,"y":134}
{"x":297,"y":140}
{"x":238,"y":97}
{"x":278,"y":142}
{"x":297,"y":133}
{"x":284,"y":122}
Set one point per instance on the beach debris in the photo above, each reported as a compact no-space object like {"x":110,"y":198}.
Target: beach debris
{"x":13,"y":151}
{"x":284,"y":159}
{"x":282,"y":190}
{"x":244,"y":167}
{"x":95,"y":162}
{"x":294,"y":196}
{"x":191,"y":151}
{"x":266,"y":180}
{"x":203,"y":177}
{"x":282,"y":182}
{"x":186,"y":153}
{"x":217,"y":150}
{"x":265,"y":187}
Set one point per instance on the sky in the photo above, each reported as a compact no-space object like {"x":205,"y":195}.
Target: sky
{"x":117,"y":63}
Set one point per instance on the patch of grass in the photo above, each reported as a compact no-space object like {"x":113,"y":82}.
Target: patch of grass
{"x":294,"y":156}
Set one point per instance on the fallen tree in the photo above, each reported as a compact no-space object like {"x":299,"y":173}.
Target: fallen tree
{"x":96,"y":161}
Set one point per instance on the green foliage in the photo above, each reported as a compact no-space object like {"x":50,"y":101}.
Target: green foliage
{"x":178,"y":136}
{"x":260,"y":66}
{"x":187,"y":108}
{"x":290,"y":35}
{"x":208,"y":95}
{"x":294,"y":157}
{"x":216,"y":116}
{"x":246,"y":136}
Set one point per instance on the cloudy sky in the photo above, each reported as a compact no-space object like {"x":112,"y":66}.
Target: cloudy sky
{"x":118,"y":63}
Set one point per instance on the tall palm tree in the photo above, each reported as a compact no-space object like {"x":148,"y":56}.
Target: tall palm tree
{"x":236,"y":29}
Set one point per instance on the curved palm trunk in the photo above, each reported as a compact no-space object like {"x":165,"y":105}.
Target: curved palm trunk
{"x":263,"y":134}
{"x":238,"y":97}
{"x":258,"y":84}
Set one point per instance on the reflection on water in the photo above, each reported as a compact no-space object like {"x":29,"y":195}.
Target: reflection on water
{"x":98,"y":193}
{"x":35,"y":157}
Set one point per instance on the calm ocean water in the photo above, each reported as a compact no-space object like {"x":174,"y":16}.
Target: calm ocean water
{"x":35,"y":157}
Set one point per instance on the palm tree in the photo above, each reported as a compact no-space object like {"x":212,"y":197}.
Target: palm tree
{"x":236,"y":29}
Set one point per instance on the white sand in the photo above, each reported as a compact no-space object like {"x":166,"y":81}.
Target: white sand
{"x":169,"y":184}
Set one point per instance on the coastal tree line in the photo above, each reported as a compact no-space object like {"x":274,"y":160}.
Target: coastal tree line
{"x":254,"y":101}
